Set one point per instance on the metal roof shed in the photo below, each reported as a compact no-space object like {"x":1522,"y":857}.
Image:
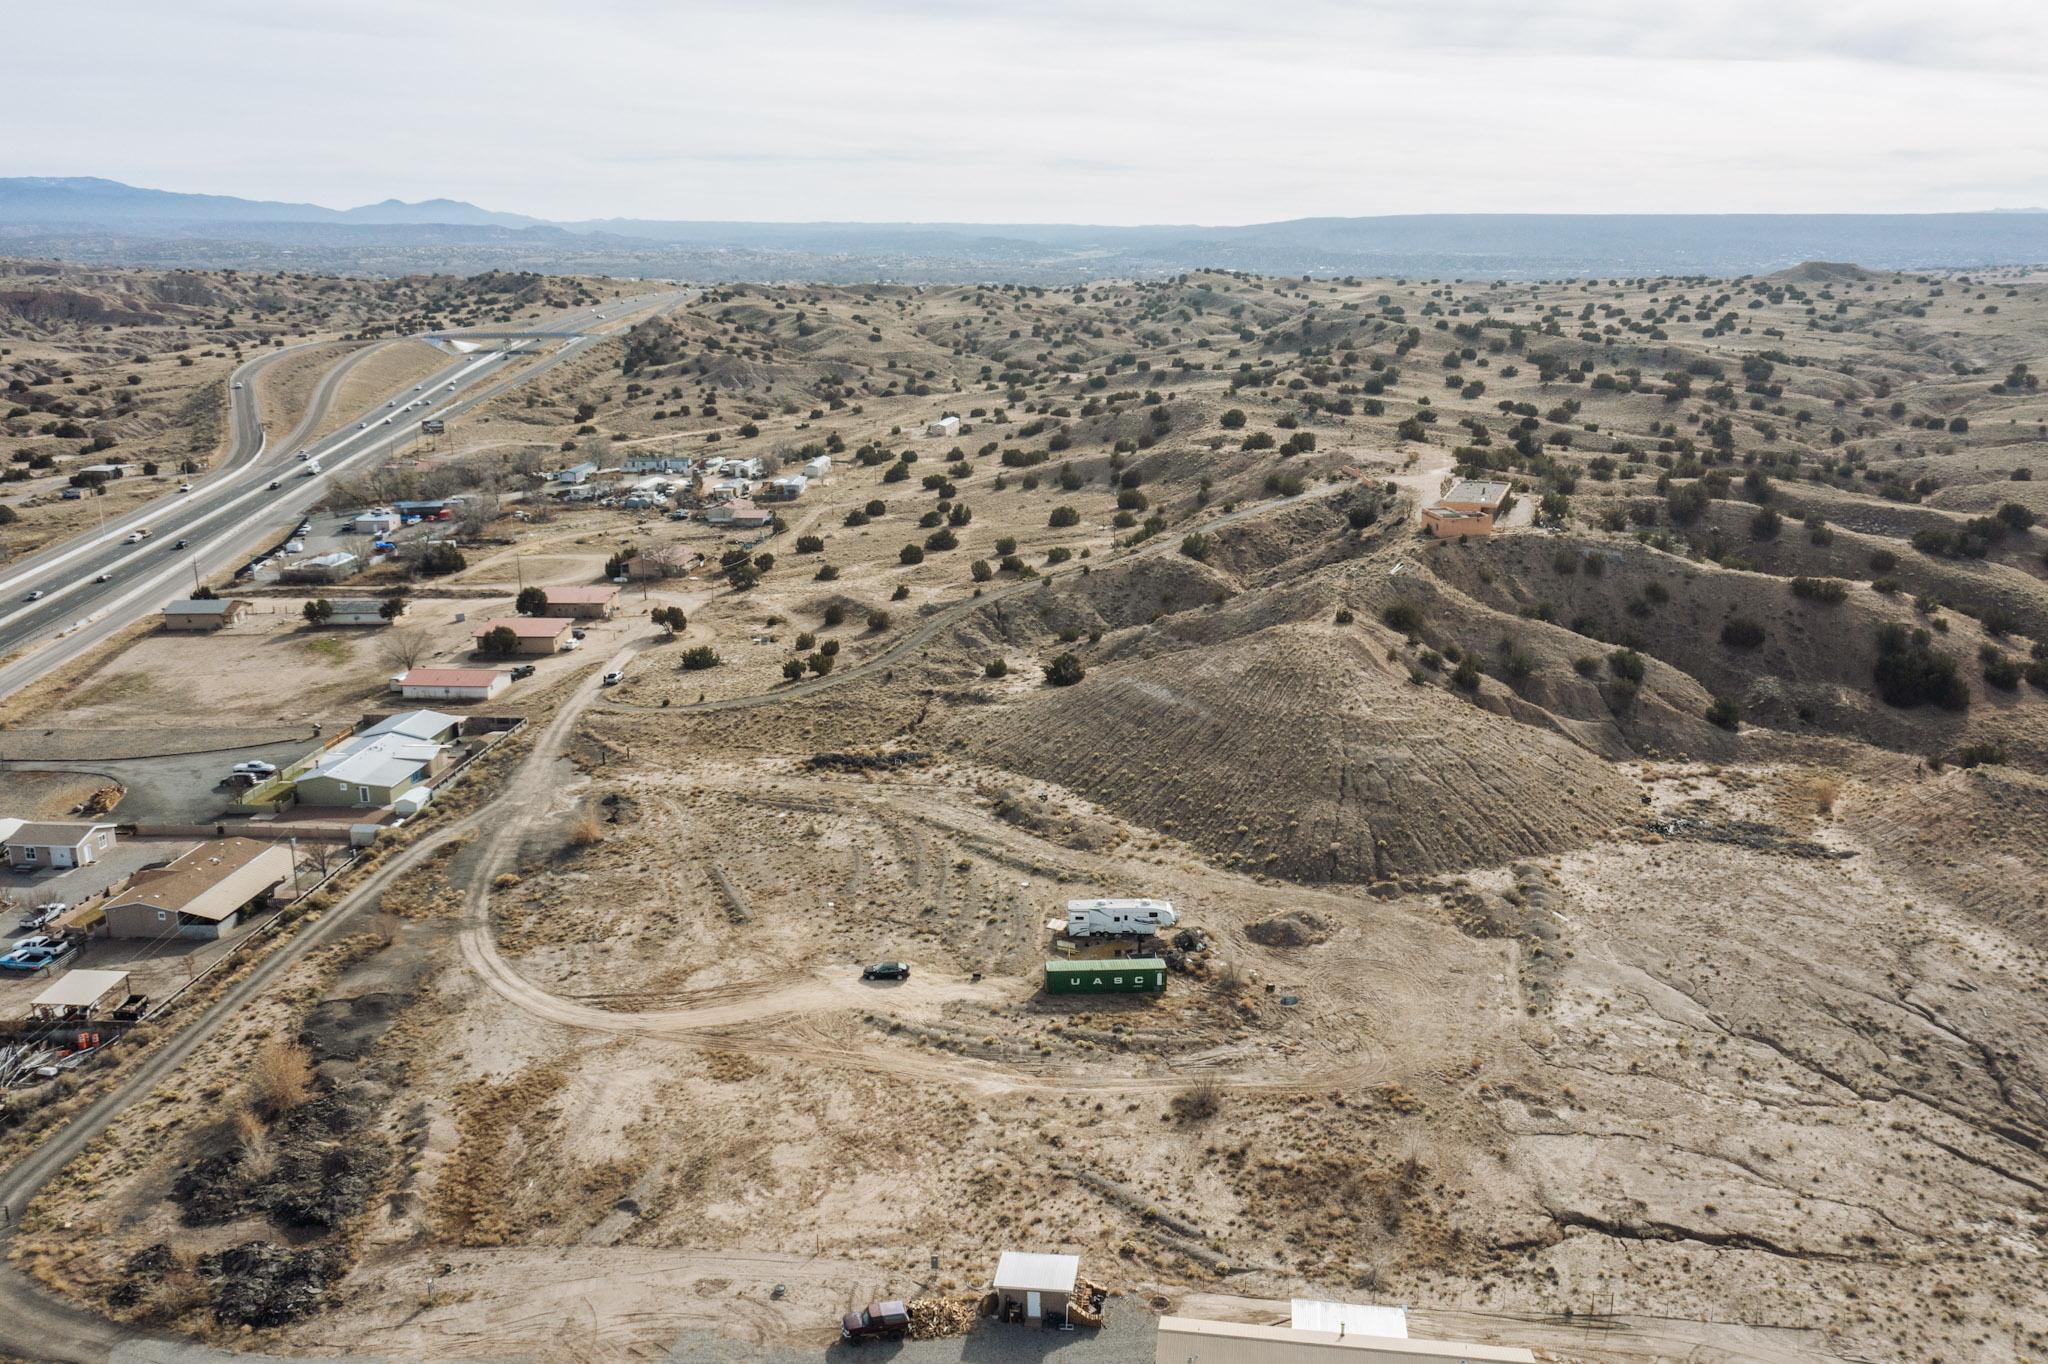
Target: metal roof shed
{"x":78,"y":992}
{"x":1035,"y":1285}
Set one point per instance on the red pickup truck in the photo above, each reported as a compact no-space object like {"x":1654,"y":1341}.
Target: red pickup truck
{"x":877,"y":1321}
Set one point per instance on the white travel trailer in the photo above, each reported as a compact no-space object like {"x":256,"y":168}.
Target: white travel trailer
{"x":1112,"y":918}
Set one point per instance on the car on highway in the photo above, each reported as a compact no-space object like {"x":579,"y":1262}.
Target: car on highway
{"x":184,"y":487}
{"x":104,"y":578}
{"x":238,"y":383}
{"x":35,"y":958}
{"x":417,"y":387}
{"x":362,"y":426}
{"x":392,"y":403}
{"x":134,"y":538}
{"x":180,"y":544}
{"x":300,"y":455}
{"x":276,"y":484}
{"x":36,"y":595}
{"x":886,"y":970}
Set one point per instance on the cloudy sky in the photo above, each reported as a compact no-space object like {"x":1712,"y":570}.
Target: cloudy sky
{"x":1143,"y":111}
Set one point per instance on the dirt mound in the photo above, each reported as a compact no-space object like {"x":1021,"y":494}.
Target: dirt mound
{"x":1301,"y":751}
{"x":1302,"y":928}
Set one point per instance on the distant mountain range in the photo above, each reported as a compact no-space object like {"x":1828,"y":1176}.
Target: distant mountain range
{"x":98,"y":221}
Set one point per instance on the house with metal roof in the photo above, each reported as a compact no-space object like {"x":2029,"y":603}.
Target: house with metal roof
{"x":535,"y":634}
{"x":453,"y":684}
{"x":373,"y":768}
{"x":209,"y":613}
{"x":592,"y":601}
{"x":202,"y":893}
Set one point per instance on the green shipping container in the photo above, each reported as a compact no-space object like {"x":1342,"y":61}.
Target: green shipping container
{"x":1134,"y":975}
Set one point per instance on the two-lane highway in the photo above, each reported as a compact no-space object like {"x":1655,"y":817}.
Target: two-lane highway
{"x":59,"y":604}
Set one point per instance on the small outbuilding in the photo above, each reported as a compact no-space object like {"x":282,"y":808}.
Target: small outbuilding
{"x":79,"y":996}
{"x":207,"y":613}
{"x":1031,"y":1286}
{"x":55,"y":845}
{"x":943,"y":428}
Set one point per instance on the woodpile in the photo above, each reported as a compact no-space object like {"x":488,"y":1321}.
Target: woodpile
{"x":936,"y":1318}
{"x":1082,"y":1308}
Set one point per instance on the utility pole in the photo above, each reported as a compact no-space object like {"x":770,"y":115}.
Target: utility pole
{"x":296,"y":891}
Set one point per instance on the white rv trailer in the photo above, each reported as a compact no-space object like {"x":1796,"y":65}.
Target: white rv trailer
{"x":1110,"y":918}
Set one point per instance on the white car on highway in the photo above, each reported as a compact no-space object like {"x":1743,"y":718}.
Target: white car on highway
{"x":184,"y":487}
{"x":36,"y":595}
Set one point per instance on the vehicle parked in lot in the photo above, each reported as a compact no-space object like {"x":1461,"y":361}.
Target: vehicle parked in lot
{"x":257,"y":766}
{"x":40,"y":916}
{"x":877,"y":1321}
{"x":37,"y":941}
{"x":522,"y":672}
{"x":35,"y":958}
{"x":886,"y":970}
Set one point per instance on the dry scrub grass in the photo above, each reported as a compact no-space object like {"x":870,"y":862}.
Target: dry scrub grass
{"x":280,"y":1078}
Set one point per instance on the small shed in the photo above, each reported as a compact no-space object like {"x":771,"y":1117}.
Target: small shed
{"x":1034,"y":1286}
{"x":1114,"y":976}
{"x":77,"y":996}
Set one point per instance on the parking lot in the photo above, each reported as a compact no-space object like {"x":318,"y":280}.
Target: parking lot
{"x":179,"y":788}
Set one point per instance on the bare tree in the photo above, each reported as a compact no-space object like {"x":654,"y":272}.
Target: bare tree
{"x":405,"y":646}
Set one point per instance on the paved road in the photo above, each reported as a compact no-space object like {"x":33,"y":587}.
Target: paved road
{"x":98,"y":584}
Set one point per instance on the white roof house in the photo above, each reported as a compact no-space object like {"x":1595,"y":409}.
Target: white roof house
{"x":382,"y":760}
{"x":416,"y":724}
{"x":819,"y":467}
{"x":944,"y":426}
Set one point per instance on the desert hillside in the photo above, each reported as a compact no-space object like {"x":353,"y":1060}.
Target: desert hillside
{"x":1632,"y":912}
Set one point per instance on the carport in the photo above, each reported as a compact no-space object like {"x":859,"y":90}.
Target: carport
{"x":78,"y":996}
